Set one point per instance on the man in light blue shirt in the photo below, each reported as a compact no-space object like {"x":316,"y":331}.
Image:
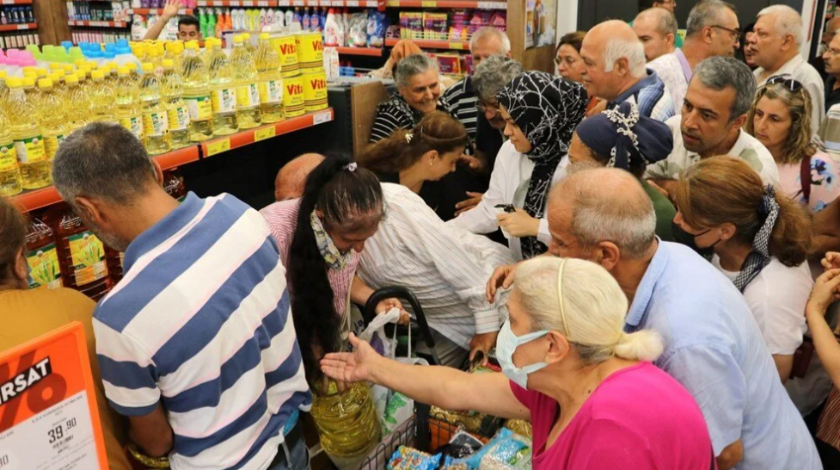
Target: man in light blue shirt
{"x":713,"y":346}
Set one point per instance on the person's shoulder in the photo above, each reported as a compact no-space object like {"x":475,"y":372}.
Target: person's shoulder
{"x":398,"y":196}
{"x":508,"y":153}
{"x":71,"y":301}
{"x":454,"y":92}
{"x":289,"y":207}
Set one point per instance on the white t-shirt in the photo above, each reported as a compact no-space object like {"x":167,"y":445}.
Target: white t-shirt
{"x":777,"y":298}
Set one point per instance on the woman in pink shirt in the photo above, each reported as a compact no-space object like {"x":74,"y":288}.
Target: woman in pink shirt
{"x":592,"y":397}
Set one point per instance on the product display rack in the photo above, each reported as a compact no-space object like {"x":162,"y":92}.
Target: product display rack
{"x":157,"y":11}
{"x":290,"y":3}
{"x":15,"y":2}
{"x":434,"y":44}
{"x":18,"y":27}
{"x":447,"y":4}
{"x":364,"y":51}
{"x":99,"y":24}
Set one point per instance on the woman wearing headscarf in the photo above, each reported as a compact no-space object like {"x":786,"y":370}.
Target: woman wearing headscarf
{"x":621,"y":138}
{"x":541,"y":112}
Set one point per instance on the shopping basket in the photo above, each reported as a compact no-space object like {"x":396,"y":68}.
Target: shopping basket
{"x":422,"y":326}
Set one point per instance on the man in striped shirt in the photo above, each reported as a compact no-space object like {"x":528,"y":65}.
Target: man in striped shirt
{"x":196,"y":344}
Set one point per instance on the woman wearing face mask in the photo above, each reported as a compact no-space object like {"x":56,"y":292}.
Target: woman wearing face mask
{"x":571,"y":369}
{"x":780,"y":119}
{"x":621,"y":138}
{"x":570,"y":64}
{"x":760,"y":240}
{"x":428,"y":152}
{"x":541,"y":113}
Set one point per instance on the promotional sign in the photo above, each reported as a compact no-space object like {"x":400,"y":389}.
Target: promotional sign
{"x":48,"y":414}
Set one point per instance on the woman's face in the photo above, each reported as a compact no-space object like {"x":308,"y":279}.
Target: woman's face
{"x":771,"y":122}
{"x":569,"y":64}
{"x":422,"y":91}
{"x":441,"y":165}
{"x":514,"y":133}
{"x":703,"y":237}
{"x":345,"y":241}
{"x":520,"y":323}
{"x":579,"y":152}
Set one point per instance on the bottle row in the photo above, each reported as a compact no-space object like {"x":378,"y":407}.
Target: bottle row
{"x":17,"y":15}
{"x":18,"y":40}
{"x":98,"y":35}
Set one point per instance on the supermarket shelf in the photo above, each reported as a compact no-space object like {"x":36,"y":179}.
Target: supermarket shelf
{"x":159,"y":11}
{"x":433,"y":44}
{"x":241,"y":139}
{"x":444,"y":4}
{"x":289,"y":3}
{"x":48,"y":196}
{"x":366,"y":51}
{"x":16,"y":2}
{"x":18,"y":27}
{"x":99,"y":24}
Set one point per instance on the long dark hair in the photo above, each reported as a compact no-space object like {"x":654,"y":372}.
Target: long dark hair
{"x":349,"y":200}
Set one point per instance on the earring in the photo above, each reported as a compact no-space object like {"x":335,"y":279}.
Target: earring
{"x":431,"y":162}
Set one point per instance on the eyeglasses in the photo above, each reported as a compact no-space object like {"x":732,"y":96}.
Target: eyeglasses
{"x":786,"y":82}
{"x":734,"y":33}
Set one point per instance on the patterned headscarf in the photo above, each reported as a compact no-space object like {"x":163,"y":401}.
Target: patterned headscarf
{"x":547,"y":109}
{"x":760,"y":256}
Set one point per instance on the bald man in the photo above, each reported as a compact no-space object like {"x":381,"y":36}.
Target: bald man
{"x":614,"y":70}
{"x":657,"y":29}
{"x":291,"y":179}
{"x":713,"y":346}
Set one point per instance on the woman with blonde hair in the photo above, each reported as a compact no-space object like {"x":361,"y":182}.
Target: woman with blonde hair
{"x":594,"y":400}
{"x":780,"y":118}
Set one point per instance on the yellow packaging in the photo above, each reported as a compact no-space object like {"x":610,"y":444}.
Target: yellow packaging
{"x":310,"y":50}
{"x":155,"y":124}
{"x":287,"y":47}
{"x":51,"y":143}
{"x":133,"y":124}
{"x":88,"y":257}
{"x":293,"y":98}
{"x":315,"y":91}
{"x":200,"y":107}
{"x":31,"y":149}
{"x":8,"y":156}
{"x":43,"y":268}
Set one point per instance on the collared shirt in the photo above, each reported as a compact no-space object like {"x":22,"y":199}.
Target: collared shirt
{"x":806,"y":74}
{"x":462,"y":101}
{"x":832,"y":95}
{"x":714,"y":348}
{"x":445,"y":267}
{"x":201,"y":324}
{"x":395,"y":114}
{"x":674,"y":71}
{"x":652,"y":97}
{"x":508,"y":185}
{"x":746,"y":147}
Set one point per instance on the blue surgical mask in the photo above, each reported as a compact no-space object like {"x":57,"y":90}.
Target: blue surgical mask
{"x":506,"y":345}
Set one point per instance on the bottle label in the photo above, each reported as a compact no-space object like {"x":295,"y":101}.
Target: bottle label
{"x":51,"y":143}
{"x":271,"y":91}
{"x":133,"y":124}
{"x":31,"y":149}
{"x":155,"y":124}
{"x":43,"y":268}
{"x":247,"y":96}
{"x":8,"y":157}
{"x":88,"y":256}
{"x":179,"y":118}
{"x":200,"y":108}
{"x":224,"y":100}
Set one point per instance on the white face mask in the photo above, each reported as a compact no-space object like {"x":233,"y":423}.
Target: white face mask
{"x":506,"y":345}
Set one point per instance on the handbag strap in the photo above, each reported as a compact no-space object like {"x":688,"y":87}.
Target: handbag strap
{"x":805,"y":178}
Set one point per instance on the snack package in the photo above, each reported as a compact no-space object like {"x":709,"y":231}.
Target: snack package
{"x":358,"y":30}
{"x":377,"y":24}
{"x":506,"y":451}
{"x":449,"y":63}
{"x":406,"y":458}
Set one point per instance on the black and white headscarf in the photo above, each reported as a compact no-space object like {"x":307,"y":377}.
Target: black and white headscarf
{"x":547,"y":109}
{"x":760,"y":256}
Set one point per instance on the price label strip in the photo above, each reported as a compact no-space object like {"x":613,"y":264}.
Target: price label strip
{"x":215,"y":148}
{"x":265,"y":133}
{"x":48,"y":414}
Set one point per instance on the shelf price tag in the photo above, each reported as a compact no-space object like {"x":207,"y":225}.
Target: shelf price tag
{"x":492,"y":6}
{"x":428,"y":4}
{"x":262,"y":4}
{"x":299,"y":3}
{"x":23,"y":26}
{"x":352,"y":3}
{"x":321,"y":118}
{"x":8,"y":2}
{"x":217,"y":147}
{"x":456,"y":46}
{"x":265,"y":133}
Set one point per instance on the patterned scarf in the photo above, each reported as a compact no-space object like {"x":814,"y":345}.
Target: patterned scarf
{"x":760,"y":256}
{"x":547,"y":109}
{"x":334,"y":259}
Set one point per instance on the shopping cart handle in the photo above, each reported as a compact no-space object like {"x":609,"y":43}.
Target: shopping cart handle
{"x":403,"y":294}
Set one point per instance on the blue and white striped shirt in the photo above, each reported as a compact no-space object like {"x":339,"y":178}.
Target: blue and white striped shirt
{"x":201,"y":323}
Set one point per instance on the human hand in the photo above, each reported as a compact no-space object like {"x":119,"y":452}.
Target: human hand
{"x":502,"y":277}
{"x":825,"y":292}
{"x":482,"y":343}
{"x":519,"y":224}
{"x":600,"y":106}
{"x":467,"y":204}
{"x":473,"y":163}
{"x":386,"y":305}
{"x":351,"y":367}
{"x":171,"y":8}
{"x":831,"y":260}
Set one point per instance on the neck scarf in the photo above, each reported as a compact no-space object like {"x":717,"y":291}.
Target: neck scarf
{"x":547,"y":109}
{"x":334,"y":259}
{"x":760,"y":256}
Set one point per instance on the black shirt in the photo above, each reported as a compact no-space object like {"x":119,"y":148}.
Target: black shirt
{"x":832,"y":96}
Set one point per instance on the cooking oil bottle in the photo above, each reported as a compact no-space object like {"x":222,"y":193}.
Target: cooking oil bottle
{"x":155,"y":119}
{"x":101,"y":99}
{"x":247,"y":93}
{"x":81,"y":255}
{"x":222,"y":89}
{"x":29,"y":143}
{"x":128,"y":104}
{"x":270,"y":82}
{"x":175,"y":53}
{"x":177,"y":111}
{"x":53,"y":118}
{"x":77,"y":102}
{"x":10,"y":181}
{"x":196,"y":93}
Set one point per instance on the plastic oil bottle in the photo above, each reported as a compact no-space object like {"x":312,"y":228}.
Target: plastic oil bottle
{"x":26,"y":134}
{"x":77,"y":101}
{"x":175,"y":52}
{"x":270,"y":82}
{"x":196,"y":93}
{"x":101,"y":98}
{"x":53,"y":118}
{"x":128,"y":104}
{"x":42,"y":256}
{"x":10,"y":181}
{"x":81,"y":255}
{"x":177,"y":111}
{"x":155,"y":119}
{"x":223,"y":90}
{"x":247,"y":94}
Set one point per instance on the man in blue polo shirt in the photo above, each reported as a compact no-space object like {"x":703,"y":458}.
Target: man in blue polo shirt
{"x":196,"y":344}
{"x":713,"y":346}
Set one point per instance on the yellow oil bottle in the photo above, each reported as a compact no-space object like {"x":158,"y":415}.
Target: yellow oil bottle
{"x":222,"y":90}
{"x":270,"y":82}
{"x":29,"y":143}
{"x":155,"y":119}
{"x":128,"y":103}
{"x":10,"y":180}
{"x":196,"y":93}
{"x":53,"y":120}
{"x":247,"y":94}
{"x":76,"y":100}
{"x":101,"y":99}
{"x":176,"y":109}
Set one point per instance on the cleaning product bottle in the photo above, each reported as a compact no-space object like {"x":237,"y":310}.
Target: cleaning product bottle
{"x":177,"y":111}
{"x":247,"y":93}
{"x":155,"y":118}
{"x":291,"y":17}
{"x":42,"y":256}
{"x":270,"y":81}
{"x":10,"y":180}
{"x":29,"y":144}
{"x":101,"y":98}
{"x":331,"y":30}
{"x":128,"y":103}
{"x":223,"y":90}
{"x":220,"y":23}
{"x":196,"y":93}
{"x":305,"y":20}
{"x":53,"y":120}
{"x":211,"y":25}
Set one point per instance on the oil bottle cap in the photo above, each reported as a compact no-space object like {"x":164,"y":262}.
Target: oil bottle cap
{"x":14,"y":82}
{"x":45,"y":83}
{"x":71,"y":79}
{"x":264,"y":36}
{"x":147,"y":67}
{"x":41,"y":72}
{"x":122,"y":71}
{"x":191,"y":45}
{"x":168,"y":63}
{"x":238,"y":39}
{"x":97,"y":75}
{"x":29,"y":81}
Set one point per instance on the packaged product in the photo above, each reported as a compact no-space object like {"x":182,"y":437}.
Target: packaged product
{"x":406,"y":458}
{"x":358,"y":30}
{"x":377,"y":24}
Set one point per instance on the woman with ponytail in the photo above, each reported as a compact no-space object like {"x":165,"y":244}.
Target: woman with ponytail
{"x":758,"y":238}
{"x":593,"y":398}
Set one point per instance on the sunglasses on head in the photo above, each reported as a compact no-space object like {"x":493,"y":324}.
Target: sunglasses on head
{"x":786,"y":82}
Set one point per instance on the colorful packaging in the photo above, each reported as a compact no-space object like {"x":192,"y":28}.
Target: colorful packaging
{"x":293,"y":98}
{"x":310,"y":51}
{"x":377,"y":24}
{"x":287,"y":47}
{"x":315,"y":91}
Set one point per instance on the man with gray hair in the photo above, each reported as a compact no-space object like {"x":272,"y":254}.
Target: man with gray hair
{"x":614,"y":70}
{"x":715,"y":108}
{"x":776,"y":43}
{"x":713,"y":345}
